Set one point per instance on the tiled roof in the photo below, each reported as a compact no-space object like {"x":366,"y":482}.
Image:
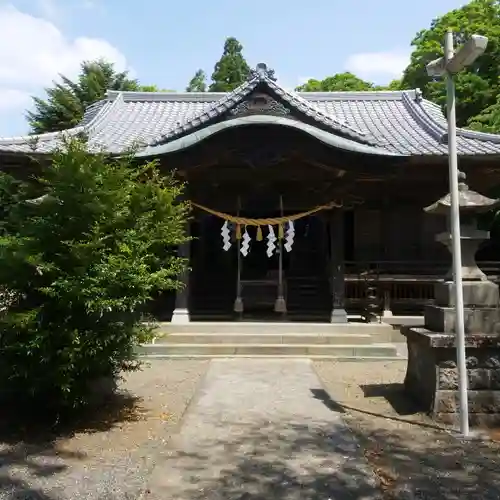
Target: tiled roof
{"x":391,"y":122}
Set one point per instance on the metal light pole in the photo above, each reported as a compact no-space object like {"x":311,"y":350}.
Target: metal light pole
{"x":448,"y":65}
{"x":455,"y":239}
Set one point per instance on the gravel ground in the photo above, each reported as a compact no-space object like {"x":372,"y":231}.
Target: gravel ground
{"x":112,"y":457}
{"x":413,"y":457}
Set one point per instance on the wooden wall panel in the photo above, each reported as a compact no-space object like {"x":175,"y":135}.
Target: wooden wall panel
{"x":403,"y":234}
{"x":431,"y":249}
{"x":397,"y":234}
{"x":367,"y":235}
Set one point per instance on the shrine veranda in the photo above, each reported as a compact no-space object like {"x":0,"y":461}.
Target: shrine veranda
{"x":306,"y":206}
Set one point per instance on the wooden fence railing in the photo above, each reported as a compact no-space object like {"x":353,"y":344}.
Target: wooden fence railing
{"x":402,"y":287}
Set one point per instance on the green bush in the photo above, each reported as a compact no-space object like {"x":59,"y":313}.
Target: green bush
{"x":82,"y":259}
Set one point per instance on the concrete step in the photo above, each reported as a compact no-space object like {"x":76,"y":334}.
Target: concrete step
{"x":267,"y":338}
{"x":278,"y":328}
{"x":266,"y":356}
{"x":404,"y":320}
{"x":167,"y":350}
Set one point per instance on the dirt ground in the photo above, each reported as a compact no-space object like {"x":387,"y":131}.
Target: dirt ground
{"x":109,"y":455}
{"x":112,"y":456}
{"x":413,"y":457}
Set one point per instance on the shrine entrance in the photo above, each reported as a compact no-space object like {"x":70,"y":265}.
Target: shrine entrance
{"x":263,"y":274}
{"x":267,"y":226}
{"x":274,"y":279}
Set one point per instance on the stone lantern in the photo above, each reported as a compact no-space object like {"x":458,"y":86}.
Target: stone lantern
{"x":431,"y":376}
{"x":471,"y":205}
{"x":477,"y":290}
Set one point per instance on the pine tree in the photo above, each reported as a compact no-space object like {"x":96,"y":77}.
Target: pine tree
{"x":232,"y":69}
{"x":66,"y":101}
{"x":198,"y":82}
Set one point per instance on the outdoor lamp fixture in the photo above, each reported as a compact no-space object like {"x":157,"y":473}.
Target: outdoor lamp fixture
{"x":451,"y":63}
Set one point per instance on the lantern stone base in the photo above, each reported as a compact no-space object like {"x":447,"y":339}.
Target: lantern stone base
{"x":475,"y":294}
{"x":432,"y":378}
{"x":476,"y":320}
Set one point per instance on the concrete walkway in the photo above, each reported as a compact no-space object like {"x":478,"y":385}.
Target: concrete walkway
{"x":262,"y":430}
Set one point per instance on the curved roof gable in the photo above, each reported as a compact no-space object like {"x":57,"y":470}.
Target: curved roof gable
{"x":390,"y":122}
{"x":259,"y":79}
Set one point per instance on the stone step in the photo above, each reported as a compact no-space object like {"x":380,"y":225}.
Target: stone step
{"x":167,"y":350}
{"x":380,"y":330}
{"x":265,"y":356}
{"x":267,"y":338}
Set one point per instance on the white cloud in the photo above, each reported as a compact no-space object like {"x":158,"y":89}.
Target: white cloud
{"x":378,"y":66}
{"x":33,"y":52}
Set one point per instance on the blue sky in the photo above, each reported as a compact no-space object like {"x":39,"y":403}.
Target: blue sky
{"x":164,"y":42}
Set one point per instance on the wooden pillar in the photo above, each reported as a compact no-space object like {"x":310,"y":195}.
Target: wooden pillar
{"x":386,"y":256}
{"x":387,"y":302}
{"x":338,"y":314}
{"x":181,"y":312}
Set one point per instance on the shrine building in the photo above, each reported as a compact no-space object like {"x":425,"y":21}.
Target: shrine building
{"x":306,"y":206}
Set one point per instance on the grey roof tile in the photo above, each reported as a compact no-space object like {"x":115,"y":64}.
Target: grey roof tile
{"x":399,"y":122}
{"x":210,"y":113}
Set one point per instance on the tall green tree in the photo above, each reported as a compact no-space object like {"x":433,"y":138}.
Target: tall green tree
{"x":478,"y":86}
{"x":231,"y":70}
{"x":487,"y":120}
{"x":81,"y":261}
{"x":338,"y":82}
{"x":67,"y":100}
{"x":153,"y":88}
{"x":392,"y":85}
{"x":344,"y":82}
{"x":198,"y":82}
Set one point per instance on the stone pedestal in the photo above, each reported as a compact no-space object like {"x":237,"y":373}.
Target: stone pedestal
{"x":442,"y":319}
{"x":476,"y":294}
{"x":470,"y":240}
{"x":432,"y":375}
{"x":432,"y":378}
{"x":180,"y":316}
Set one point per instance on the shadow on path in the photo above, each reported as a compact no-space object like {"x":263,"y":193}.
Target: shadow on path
{"x":416,"y":460}
{"x":403,"y":405}
{"x":30,"y":450}
{"x":257,"y":432}
{"x":269,"y":461}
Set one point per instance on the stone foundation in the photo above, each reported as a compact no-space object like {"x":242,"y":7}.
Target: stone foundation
{"x":476,"y":320}
{"x":432,"y":377}
{"x":475,"y":293}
